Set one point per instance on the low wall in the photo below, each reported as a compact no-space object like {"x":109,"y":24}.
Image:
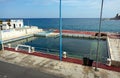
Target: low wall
{"x":6,"y":35}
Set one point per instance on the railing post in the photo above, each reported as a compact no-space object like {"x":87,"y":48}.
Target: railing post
{"x":1,"y":34}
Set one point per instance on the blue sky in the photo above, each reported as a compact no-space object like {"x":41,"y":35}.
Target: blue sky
{"x":50,"y":8}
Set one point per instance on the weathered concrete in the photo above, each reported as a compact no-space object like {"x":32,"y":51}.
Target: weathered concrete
{"x":46,"y":34}
{"x":81,"y":34}
{"x":114,"y":51}
{"x":68,"y":70}
{"x":8,"y":70}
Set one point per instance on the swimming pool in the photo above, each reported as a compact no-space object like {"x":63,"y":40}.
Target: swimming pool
{"x":75,"y":47}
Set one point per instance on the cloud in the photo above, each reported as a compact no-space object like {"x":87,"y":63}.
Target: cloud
{"x":111,"y":4}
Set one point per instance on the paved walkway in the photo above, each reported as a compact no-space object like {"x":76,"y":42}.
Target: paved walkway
{"x":59,"y":68}
{"x":76,"y":32}
{"x":70,"y":60}
{"x":8,"y":70}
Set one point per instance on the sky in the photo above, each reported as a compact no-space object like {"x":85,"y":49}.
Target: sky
{"x":50,"y":8}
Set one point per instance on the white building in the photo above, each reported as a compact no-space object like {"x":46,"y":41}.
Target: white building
{"x":12,"y":24}
{"x":118,"y":14}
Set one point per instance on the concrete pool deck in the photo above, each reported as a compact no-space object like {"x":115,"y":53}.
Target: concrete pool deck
{"x":114,"y":51}
{"x":8,"y":70}
{"x":68,"y":59}
{"x":65,"y":69}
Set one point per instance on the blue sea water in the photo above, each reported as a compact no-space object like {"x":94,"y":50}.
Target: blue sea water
{"x":85,"y":24}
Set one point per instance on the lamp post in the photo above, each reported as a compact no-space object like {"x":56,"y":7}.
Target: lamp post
{"x":98,"y":42}
{"x":60,"y":27}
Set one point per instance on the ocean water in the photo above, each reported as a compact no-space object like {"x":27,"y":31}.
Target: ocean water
{"x":85,"y":24}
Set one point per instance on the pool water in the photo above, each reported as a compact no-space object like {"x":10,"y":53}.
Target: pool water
{"x":75,"y":47}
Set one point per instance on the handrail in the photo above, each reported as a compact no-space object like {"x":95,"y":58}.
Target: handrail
{"x":29,"y":47}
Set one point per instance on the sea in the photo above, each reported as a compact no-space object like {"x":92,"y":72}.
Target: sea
{"x":75,"y":47}
{"x":80,"y":24}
